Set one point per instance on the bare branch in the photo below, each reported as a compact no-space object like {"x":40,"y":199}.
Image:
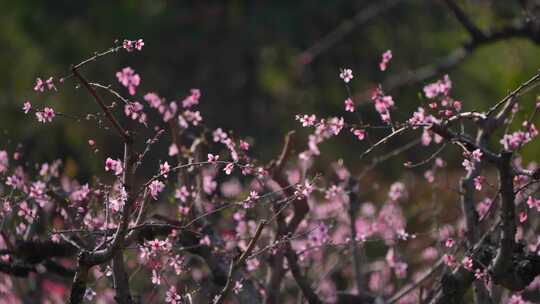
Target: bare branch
{"x":104,"y":108}
{"x":121,"y":281}
{"x":345,"y":28}
{"x":235,"y":265}
{"x":354,"y":205}
{"x":474,"y":31}
{"x":300,"y":279}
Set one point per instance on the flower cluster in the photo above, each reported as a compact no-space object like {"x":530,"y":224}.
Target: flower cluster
{"x":192,"y":99}
{"x":471,"y":159}
{"x":386,"y":57}
{"x":518,"y":139}
{"x":41,"y":85}
{"x":249,"y":202}
{"x":439,"y":95}
{"x":134,"y":110}
{"x":46,"y":115}
{"x":114,"y":165}
{"x":156,"y":187}
{"x":211,"y":202}
{"x":131,"y":45}
{"x":383,"y":103}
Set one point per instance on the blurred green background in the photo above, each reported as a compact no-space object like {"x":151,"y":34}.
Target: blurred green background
{"x":246,"y":57}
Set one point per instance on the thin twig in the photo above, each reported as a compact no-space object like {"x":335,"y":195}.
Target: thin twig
{"x":121,"y":131}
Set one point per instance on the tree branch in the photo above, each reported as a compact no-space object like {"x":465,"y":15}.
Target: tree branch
{"x":450,"y":61}
{"x":102,"y":105}
{"x":301,"y":280}
{"x":235,"y":265}
{"x":474,"y":31}
{"x":345,"y":28}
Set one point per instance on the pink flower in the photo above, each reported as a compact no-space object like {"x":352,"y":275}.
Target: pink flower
{"x":46,"y":115}
{"x":244,"y":145}
{"x":531,"y":202}
{"x":4,"y":161}
{"x":449,"y":243}
{"x":303,"y":190}
{"x":117,"y":201}
{"x":386,"y":57}
{"x":437,"y":88}
{"x":169,"y":111}
{"x":349,"y":105}
{"x":359,"y":133}
{"x":228,"y":168}
{"x":522,"y":217}
{"x":468,"y":165}
{"x":205,"y":240}
{"x":27,"y":106}
{"x":397,"y":192}
{"x":516,"y":299}
{"x":155,"y":188}
{"x":336,"y":124}
{"x":346,"y":75}
{"x":383,"y":103}
{"x":80,"y":195}
{"x":390,"y":257}
{"x":212,"y":158}
{"x":306,"y":120}
{"x":238,"y":287}
{"x":252,"y":264}
{"x":134,"y":110}
{"x":476,"y":155}
{"x":484,"y":207}
{"x":173,"y":150}
{"x":40,"y":85}
{"x":129,"y":79}
{"x":426,"y":137}
{"x":164,"y":169}
{"x":156,"y":277}
{"x":219,"y":135}
{"x":209,"y":184}
{"x":319,"y":235}
{"x":192,"y":99}
{"x":131,"y":45}
{"x":430,"y":254}
{"x":173,"y":297}
{"x":449,"y":260}
{"x":467,"y":263}
{"x":153,"y":99}
{"x":182,"y":194}
{"x":519,"y":138}
{"x":194,"y":117}
{"x":419,"y":117}
{"x":429,"y":176}
{"x":50,"y":84}
{"x":400,"y":270}
{"x":478,"y":181}
{"x":139,"y":44}
{"x":457,"y":105}
{"x":250,"y":200}
{"x":479,"y":274}
{"x":114,"y":165}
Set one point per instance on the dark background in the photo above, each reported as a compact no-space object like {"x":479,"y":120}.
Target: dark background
{"x":248,"y":59}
